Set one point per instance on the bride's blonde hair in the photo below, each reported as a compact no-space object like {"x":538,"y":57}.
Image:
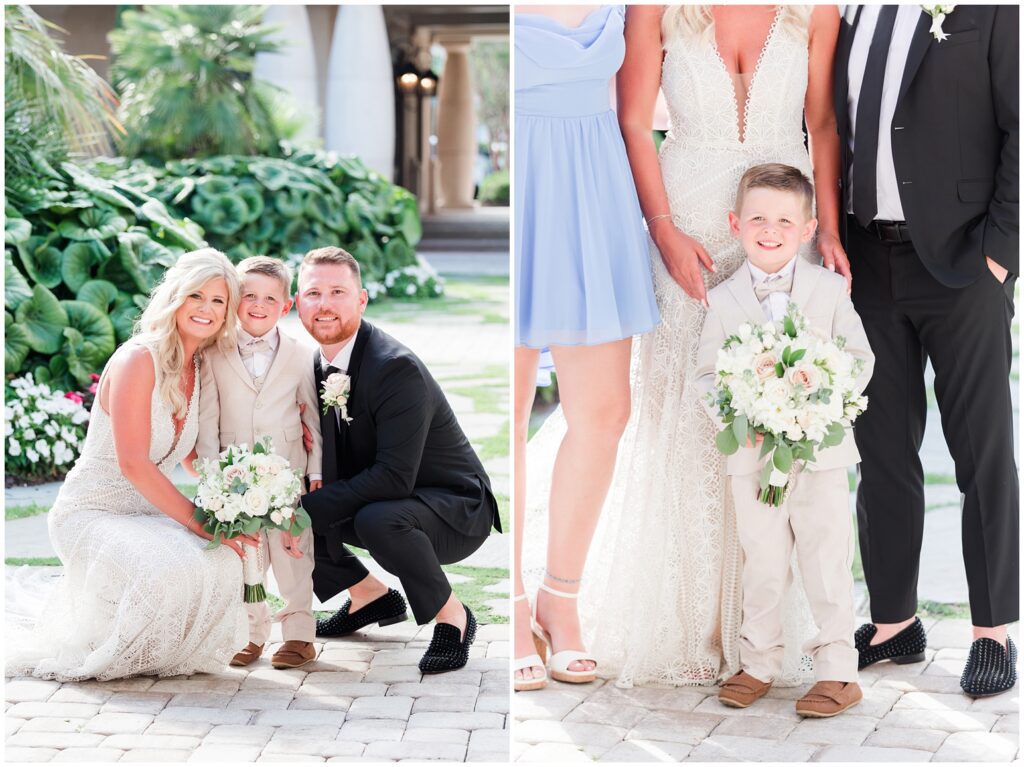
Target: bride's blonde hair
{"x":158,"y":330}
{"x":696,"y":22}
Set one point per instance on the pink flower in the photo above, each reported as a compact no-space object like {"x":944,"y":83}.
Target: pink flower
{"x":95,"y":377}
{"x":74,"y":397}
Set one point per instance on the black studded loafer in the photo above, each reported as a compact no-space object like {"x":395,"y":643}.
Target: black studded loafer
{"x":906,"y":647}
{"x":447,"y":652}
{"x":383,"y":611}
{"x":991,"y":668}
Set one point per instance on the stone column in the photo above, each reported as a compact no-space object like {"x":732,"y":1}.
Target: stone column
{"x":456,"y":126}
{"x":360,"y":97}
{"x":293,"y":69}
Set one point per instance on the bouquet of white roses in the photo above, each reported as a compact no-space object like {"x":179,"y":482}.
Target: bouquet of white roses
{"x":791,"y":384}
{"x":245,"y":491}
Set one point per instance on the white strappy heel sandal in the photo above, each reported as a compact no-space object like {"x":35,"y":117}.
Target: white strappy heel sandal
{"x":559,"y":661}
{"x":530,"y":661}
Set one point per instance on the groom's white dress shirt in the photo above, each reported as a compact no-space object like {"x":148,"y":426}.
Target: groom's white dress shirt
{"x":890,"y":207}
{"x":775,"y":304}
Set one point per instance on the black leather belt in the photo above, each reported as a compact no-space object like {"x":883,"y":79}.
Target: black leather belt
{"x":889,"y":231}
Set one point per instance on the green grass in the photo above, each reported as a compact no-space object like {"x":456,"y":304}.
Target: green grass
{"x":33,"y":561}
{"x":931,"y":478}
{"x":944,"y":609}
{"x":485,"y":297}
{"x":20,"y":512}
{"x":485,"y":399}
{"x":499,"y":373}
{"x":495,"y":446}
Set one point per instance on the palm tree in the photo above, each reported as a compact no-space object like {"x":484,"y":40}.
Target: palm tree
{"x":185,"y":78}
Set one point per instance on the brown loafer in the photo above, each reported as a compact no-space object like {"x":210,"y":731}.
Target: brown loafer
{"x":250,"y":654}
{"x":829,"y":698}
{"x":740,"y":690}
{"x":293,"y":654}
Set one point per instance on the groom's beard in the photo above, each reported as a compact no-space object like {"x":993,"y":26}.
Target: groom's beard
{"x":333,"y":333}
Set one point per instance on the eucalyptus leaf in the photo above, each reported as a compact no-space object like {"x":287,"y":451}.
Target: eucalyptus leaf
{"x":782,"y":457}
{"x":726,"y":442}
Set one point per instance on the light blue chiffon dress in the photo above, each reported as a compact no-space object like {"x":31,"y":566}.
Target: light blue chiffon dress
{"x":583,"y":273}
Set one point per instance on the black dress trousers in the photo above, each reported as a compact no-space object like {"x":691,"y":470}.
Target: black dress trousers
{"x":909,"y":317}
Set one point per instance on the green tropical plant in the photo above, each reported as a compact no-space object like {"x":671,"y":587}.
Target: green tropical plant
{"x":184,"y":73}
{"x":80,"y":258}
{"x":281,"y":206}
{"x":494,"y":189}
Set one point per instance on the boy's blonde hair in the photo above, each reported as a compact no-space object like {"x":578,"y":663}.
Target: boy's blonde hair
{"x":271,"y":267}
{"x":774,"y":175}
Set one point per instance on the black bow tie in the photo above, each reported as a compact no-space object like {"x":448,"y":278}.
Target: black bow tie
{"x":331,"y":370}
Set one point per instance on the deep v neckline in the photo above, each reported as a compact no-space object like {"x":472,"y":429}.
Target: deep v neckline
{"x":741,"y":129}
{"x":188,"y":412}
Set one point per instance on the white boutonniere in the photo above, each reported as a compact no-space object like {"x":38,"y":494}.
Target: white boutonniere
{"x":938,"y":14}
{"x":334,"y":393}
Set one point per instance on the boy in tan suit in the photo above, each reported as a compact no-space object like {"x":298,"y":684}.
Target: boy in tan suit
{"x":251,"y":392}
{"x":773,"y":217}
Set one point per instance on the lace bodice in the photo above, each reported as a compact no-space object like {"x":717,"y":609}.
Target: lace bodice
{"x":702,"y":102}
{"x":96,"y":476}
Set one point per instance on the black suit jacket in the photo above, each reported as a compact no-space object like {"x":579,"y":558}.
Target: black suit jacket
{"x":954,"y":140}
{"x":403,"y":441}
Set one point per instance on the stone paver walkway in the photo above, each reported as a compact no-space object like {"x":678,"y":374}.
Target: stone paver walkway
{"x":909,"y":713}
{"x":362,"y":699}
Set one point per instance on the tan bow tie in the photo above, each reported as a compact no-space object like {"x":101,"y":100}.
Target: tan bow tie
{"x":255,"y":345}
{"x":773,"y":283}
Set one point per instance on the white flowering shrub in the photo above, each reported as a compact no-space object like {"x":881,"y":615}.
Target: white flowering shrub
{"x":419,"y":281}
{"x":45,"y":429}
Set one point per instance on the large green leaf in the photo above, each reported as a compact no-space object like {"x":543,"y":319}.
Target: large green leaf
{"x":215,"y":186}
{"x":320,"y":208}
{"x":397,"y":254}
{"x":41,"y":261}
{"x":43,"y":320}
{"x":16,"y":287}
{"x":143,"y":259}
{"x":290,"y":203}
{"x":94,"y":325}
{"x":157,"y":213}
{"x":409,"y":223}
{"x":370,"y":257}
{"x":93,"y":224}
{"x":99,"y":293}
{"x":97,"y":187}
{"x":123,"y":319}
{"x":252,"y":196}
{"x":16,"y":231}
{"x":77,"y":263}
{"x":16,"y":346}
{"x":273,"y":175}
{"x":225,"y":214}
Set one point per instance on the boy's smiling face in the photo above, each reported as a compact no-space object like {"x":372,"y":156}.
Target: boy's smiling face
{"x":264,"y":302}
{"x":771,"y":224}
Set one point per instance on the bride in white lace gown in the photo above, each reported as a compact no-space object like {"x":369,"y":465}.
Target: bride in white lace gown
{"x":660,"y":600}
{"x":139,"y":593}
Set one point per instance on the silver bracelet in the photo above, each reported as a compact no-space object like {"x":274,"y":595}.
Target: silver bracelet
{"x":652,"y":219}
{"x":561,"y":580}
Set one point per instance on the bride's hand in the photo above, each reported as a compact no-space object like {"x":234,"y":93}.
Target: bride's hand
{"x":683,"y":256}
{"x":834,"y":257}
{"x":240,"y":540}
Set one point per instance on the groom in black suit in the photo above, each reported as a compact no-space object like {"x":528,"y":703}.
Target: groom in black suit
{"x":400,"y":478}
{"x":927,"y":115}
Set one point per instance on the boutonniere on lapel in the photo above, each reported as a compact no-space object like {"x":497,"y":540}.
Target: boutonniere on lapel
{"x":335,"y":394}
{"x":938,"y":14}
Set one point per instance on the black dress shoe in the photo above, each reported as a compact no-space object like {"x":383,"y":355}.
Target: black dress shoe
{"x":991,"y":668}
{"x":906,"y":647}
{"x":383,"y":611}
{"x":447,"y":652}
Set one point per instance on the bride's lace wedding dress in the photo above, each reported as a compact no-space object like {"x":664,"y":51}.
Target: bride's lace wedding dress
{"x":139,"y":593}
{"x":660,"y":599}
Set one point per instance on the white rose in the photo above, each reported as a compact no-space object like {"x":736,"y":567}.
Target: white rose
{"x":764,"y":366}
{"x":276,"y":518}
{"x":256,"y":502}
{"x":231,"y":473}
{"x":211,"y":502}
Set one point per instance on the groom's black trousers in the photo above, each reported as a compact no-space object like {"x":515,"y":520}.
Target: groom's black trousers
{"x":409,"y":540}
{"x":909,"y":317}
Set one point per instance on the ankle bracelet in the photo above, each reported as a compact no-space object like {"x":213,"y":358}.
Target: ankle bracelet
{"x":561,"y":580}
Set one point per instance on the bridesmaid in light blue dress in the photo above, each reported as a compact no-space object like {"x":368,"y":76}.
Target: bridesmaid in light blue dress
{"x":583,"y":290}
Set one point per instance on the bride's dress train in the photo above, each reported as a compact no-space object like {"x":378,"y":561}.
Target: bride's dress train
{"x":661,"y":595}
{"x":139,"y":593}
